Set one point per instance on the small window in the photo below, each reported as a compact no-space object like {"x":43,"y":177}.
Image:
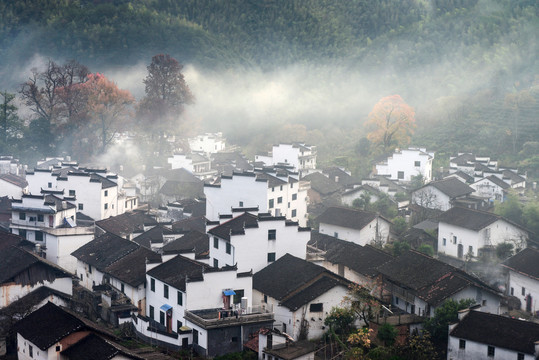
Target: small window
{"x":484,"y":303}
{"x":271,"y":257}
{"x":125,"y":204}
{"x":152,"y":284}
{"x":462,"y":344}
{"x":39,"y":236}
{"x":81,"y":277}
{"x":272,"y":234}
{"x":90,"y":269}
{"x":454,"y":239}
{"x":291,"y":185}
{"x":216,"y":243}
{"x":294,"y":196}
{"x":180,"y":298}
{"x":122,"y":288}
{"x":234,"y":339}
{"x":272,"y":189}
{"x":491,"y":351}
{"x":161,"y":318}
{"x":318,"y":307}
{"x":179,"y":324}
{"x":49,"y":185}
{"x":215,"y":263}
{"x":165,"y":291}
{"x":445,"y":241}
{"x":400,"y":175}
{"x":294,"y":213}
{"x":58,"y":348}
{"x":336,"y":234}
{"x":22,"y":216}
{"x":106,"y":206}
{"x":271,"y":204}
{"x":417,"y":163}
{"x":40,"y":217}
{"x":237,"y":298}
{"x":241,"y":203}
{"x":520,"y":356}
{"x":30,"y":351}
{"x":470,"y":250}
{"x":81,"y":206}
{"x":281,"y":188}
{"x":412,"y":309}
{"x":106,"y":193}
{"x":152,"y":313}
{"x":266,"y":299}
{"x":71,"y":192}
{"x":228,"y":248}
{"x":512,"y":291}
{"x":523,"y":291}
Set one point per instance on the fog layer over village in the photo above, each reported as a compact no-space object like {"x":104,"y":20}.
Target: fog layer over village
{"x":269,"y":179}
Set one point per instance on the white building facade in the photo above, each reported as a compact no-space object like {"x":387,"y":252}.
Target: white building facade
{"x":406,"y":163}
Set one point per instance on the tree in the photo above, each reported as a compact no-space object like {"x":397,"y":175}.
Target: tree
{"x":388,"y":334}
{"x":426,"y":249}
{"x":391,"y":122}
{"x":504,"y":250}
{"x":10,"y":124}
{"x":444,"y":315}
{"x":107,"y":106}
{"x":167,"y":93}
{"x":362,"y":302}
{"x":510,"y":209}
{"x":363,"y":201}
{"x":400,"y":225}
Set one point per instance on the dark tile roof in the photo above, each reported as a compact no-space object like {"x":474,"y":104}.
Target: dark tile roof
{"x":347,"y":217}
{"x":236,"y":225}
{"x":322,"y":184}
{"x":94,"y":347}
{"x":452,"y":187}
{"x":33,"y":299}
{"x":299,"y":281}
{"x":153,"y":236}
{"x":48,"y":325}
{"x":104,"y":250}
{"x":14,"y":179}
{"x":193,"y":241}
{"x":525,"y":262}
{"x":197,"y":223}
{"x":430,"y":279}
{"x":18,"y":265}
{"x":463,"y":159}
{"x":498,"y":331}
{"x":292,"y":350}
{"x":340,"y":176}
{"x":105,"y":183}
{"x":513,"y":176}
{"x":181,"y":175}
{"x":60,"y":204}
{"x":496,"y":180}
{"x":469,"y":179}
{"x":126,"y":223}
{"x":9,"y":239}
{"x":176,"y":271}
{"x":182,"y":190}
{"x":469,"y":218}
{"x":131,"y":269}
{"x":366,"y":187}
{"x":361,"y":259}
{"x":272,"y":180}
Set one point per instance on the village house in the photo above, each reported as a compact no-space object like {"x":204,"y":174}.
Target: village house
{"x":54,"y":333}
{"x":191,"y":303}
{"x":208,"y":143}
{"x":198,"y":164}
{"x":302,"y":297}
{"x":229,"y":162}
{"x":271,"y":342}
{"x":322,"y":189}
{"x":278,"y":193}
{"x":62,"y":241}
{"x":523,"y":278}
{"x":156,"y":237}
{"x":254,"y":241}
{"x":12,"y":185}
{"x":32,"y":214}
{"x":10,"y":165}
{"x":385,"y":185}
{"x":352,"y":261}
{"x":358,"y":226}
{"x":179,"y":184}
{"x":480,"y":335}
{"x":193,"y":245}
{"x":365,"y":192}
{"x":418,"y":284}
{"x":126,"y":225}
{"x":299,"y":156}
{"x":471,"y":233}
{"x":22,"y":272}
{"x":492,"y":188}
{"x":405,"y":164}
{"x":95,"y":192}
{"x":441,"y":194}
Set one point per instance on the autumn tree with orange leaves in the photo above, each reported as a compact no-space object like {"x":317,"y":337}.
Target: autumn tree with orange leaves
{"x":108,"y":108}
{"x":391,"y":123}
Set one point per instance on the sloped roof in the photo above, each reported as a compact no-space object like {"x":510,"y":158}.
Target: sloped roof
{"x":513,"y":176}
{"x":181,"y":175}
{"x":340,"y":176}
{"x":361,"y":259}
{"x":236,"y":225}
{"x":197,"y":223}
{"x":463,"y":159}
{"x":299,"y":281}
{"x":126,"y":223}
{"x":498,"y":331}
{"x":469,"y":179}
{"x":432,"y":280}
{"x":525,"y":262}
{"x":104,"y":250}
{"x":322,"y":184}
{"x":15,"y":180}
{"x":193,"y":241}
{"x":469,"y":218}
{"x":366,"y":187}
{"x":94,"y":347}
{"x":14,"y":261}
{"x":497,"y":181}
{"x":182,"y":189}
{"x":452,"y":187}
{"x":347,"y":217}
{"x":272,"y":180}
{"x":178,"y":270}
{"x":131,"y":269}
{"x":105,"y":183}
{"x":153,"y":236}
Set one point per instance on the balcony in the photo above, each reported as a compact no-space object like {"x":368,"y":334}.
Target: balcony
{"x":215,"y":318}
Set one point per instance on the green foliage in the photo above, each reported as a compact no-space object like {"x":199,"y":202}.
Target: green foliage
{"x":400,"y":225}
{"x":510,"y":209}
{"x":504,"y":250}
{"x":363,"y":202}
{"x":385,"y":206}
{"x":340,"y":320}
{"x":426,"y":249}
{"x":530,"y":216}
{"x":444,"y":315}
{"x":418,"y":347}
{"x":398,"y":247}
{"x":388,"y":334}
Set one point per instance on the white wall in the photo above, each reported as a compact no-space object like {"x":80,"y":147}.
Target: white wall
{"x":88,"y":278}
{"x":487,"y":189}
{"x":10,"y":293}
{"x":405,"y":161}
{"x":432,"y":198}
{"x":478,"y":351}
{"x":9,"y":189}
{"x":60,"y":243}
{"x":364,"y":236}
{"x":517,"y":282}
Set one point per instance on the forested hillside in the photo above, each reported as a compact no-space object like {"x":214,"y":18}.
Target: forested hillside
{"x":469,"y":68}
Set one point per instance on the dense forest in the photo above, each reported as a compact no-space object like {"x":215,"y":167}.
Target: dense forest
{"x":469,"y":68}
